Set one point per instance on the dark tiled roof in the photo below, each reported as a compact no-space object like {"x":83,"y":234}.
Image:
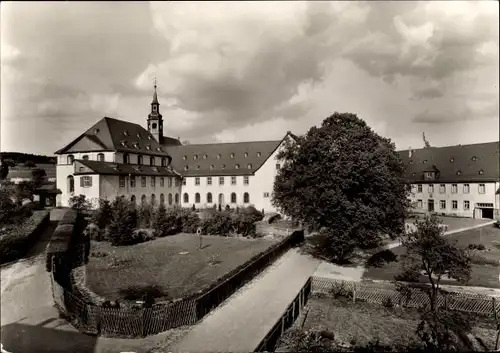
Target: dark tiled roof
{"x":170,"y":141}
{"x":109,"y":168}
{"x":477,"y":162}
{"x":234,"y":158}
{"x":118,"y":135}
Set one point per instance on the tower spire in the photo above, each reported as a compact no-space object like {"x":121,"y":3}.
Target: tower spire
{"x":155,"y":96}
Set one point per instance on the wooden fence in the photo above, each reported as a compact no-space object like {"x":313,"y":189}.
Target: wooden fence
{"x":142,"y":321}
{"x":406,"y":296}
{"x":268,"y":343}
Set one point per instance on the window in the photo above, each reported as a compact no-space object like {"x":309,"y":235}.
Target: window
{"x":442,"y":188}
{"x":177,"y":182}
{"x":258,"y":154}
{"x":233,"y":180}
{"x":424,"y":161}
{"x":481,"y":172}
{"x":85,"y":157}
{"x":81,"y":169}
{"x":170,"y":199}
{"x":143,"y":181}
{"x":122,"y":181}
{"x":466,"y":205}
{"x":197,"y":181}
{"x":223,"y":166}
{"x":100,"y":157}
{"x":184,"y":181}
{"x":153,"y":181}
{"x":221,"y":180}
{"x":266,"y":194}
{"x":126,"y":158}
{"x":143,"y":199}
{"x":233,"y":197}
{"x":86,"y":181}
{"x":195,"y":157}
{"x":139,"y":159}
{"x":419,"y":188}
{"x":246,"y":155}
{"x":249,"y":166}
{"x":186,"y":198}
{"x":162,"y":182}
{"x":419,"y":203}
{"x":209,"y":180}
{"x":132,"y":181}
{"x":132,"y":199}
{"x":466,"y":188}
{"x":197,"y":167}
{"x":454,"y":188}
{"x":184,"y":157}
{"x":212,"y":167}
{"x":474,"y":158}
{"x":431,"y":188}
{"x":452,"y":159}
{"x":163,"y":162}
{"x":70,"y":159}
{"x":454,"y":204}
{"x":246,"y":180}
{"x":278,"y":166}
{"x":246,"y":197}
{"x":459,"y":173}
{"x":176,"y":198}
{"x":170,"y":182}
{"x":237,"y":166}
{"x":197,"y":198}
{"x":205,"y":156}
{"x":443,"y":204}
{"x":232,"y":155}
{"x":162,"y":199}
{"x":209,"y":197}
{"x":481,"y":189}
{"x":151,"y":160}
{"x":153,"y":199}
{"x":218,"y":156}
{"x":71,"y":184}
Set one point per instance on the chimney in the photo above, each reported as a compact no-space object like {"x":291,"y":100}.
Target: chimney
{"x":410,"y":152}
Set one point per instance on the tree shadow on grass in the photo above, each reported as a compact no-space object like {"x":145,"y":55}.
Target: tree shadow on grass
{"x":140,"y":292}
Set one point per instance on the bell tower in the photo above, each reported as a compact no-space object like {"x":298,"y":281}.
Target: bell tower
{"x":155,"y":119}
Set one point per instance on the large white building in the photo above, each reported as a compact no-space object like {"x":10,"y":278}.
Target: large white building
{"x":458,"y":180}
{"x":118,"y":158}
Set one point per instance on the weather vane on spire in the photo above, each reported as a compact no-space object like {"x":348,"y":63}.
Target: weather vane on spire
{"x":155,"y":81}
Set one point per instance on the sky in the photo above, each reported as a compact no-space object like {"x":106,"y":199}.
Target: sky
{"x":241,"y":71}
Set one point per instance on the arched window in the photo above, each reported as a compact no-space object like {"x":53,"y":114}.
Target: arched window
{"x":197,"y":198}
{"x":143,"y":199}
{"x":209,"y":197}
{"x":163,"y":162}
{"x":246,"y":197}
{"x":85,"y":157}
{"x":170,"y":199}
{"x":100,"y":157}
{"x":71,"y":184}
{"x":152,"y":160}
{"x":233,"y":197}
{"x":186,"y":197}
{"x":126,"y":158}
{"x":132,"y":199}
{"x":162,"y":199}
{"x":153,"y":199}
{"x":70,"y":159}
{"x":139,"y":159}
{"x":176,"y":199}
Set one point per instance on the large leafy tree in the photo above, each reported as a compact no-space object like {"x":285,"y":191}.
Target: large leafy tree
{"x":344,"y":178}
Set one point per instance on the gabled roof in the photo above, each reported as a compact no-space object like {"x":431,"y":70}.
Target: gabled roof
{"x":221,"y":159}
{"x":109,"y":168}
{"x":462,"y":163}
{"x":118,"y":135}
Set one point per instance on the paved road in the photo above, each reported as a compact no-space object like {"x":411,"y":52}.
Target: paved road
{"x":240,"y":323}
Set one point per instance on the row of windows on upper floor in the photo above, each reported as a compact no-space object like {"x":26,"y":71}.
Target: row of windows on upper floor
{"x":86,"y":181}
{"x":126,"y":159}
{"x":442,"y":204}
{"x":174,"y":199}
{"x":223,"y":166}
{"x":197,"y":180}
{"x":454,"y":188}
{"x":219,"y":156}
{"x":452,"y":159}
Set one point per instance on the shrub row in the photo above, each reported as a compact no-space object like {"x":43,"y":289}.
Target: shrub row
{"x":18,"y":239}
{"x":60,"y":241}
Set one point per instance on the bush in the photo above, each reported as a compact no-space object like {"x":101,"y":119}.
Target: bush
{"x":103,"y":214}
{"x":244,"y":224}
{"x":479,"y":247}
{"x":93,"y":232}
{"x":16,"y":241}
{"x":144,"y":234}
{"x":190,"y":221}
{"x":220,"y":223}
{"x":381,"y":258}
{"x":79,"y":203}
{"x":408,"y":275}
{"x":144,"y":215}
{"x":123,"y":223}
{"x":252,"y":213}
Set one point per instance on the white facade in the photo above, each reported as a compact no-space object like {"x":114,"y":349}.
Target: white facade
{"x":460,"y":199}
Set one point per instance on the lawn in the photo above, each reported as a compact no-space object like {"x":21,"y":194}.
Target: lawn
{"x":171,"y":267}
{"x":485,"y":263}
{"x":360,"y":323}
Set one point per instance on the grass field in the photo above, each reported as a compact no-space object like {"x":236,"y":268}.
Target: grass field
{"x":360,"y":323}
{"x":485,"y":263}
{"x":171,"y":267}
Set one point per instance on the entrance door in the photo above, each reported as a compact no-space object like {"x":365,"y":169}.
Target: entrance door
{"x":221,"y":199}
{"x":430,"y":205}
{"x":487,"y":213}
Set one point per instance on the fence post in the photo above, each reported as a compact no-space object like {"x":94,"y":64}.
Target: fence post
{"x":354,"y":293}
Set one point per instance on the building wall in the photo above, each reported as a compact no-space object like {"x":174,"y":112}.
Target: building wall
{"x":473,"y":197}
{"x":260,"y":183}
{"x":63,"y":158}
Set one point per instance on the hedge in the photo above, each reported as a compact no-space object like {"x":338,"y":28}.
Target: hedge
{"x":60,"y":241}
{"x":69,"y":217}
{"x":19,"y":239}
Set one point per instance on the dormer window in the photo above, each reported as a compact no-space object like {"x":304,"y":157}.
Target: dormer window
{"x":186,"y":168}
{"x":184,"y":157}
{"x":139,"y":136}
{"x":125,"y":133}
{"x":459,"y":173}
{"x":258,"y":154}
{"x":249,"y":166}
{"x":246,"y":154}
{"x":212,"y":167}
{"x":136,"y":145}
{"x":223,"y":166}
{"x":232,"y":155}
{"x":124,"y":143}
{"x":452,"y":159}
{"x":148,"y":147}
{"x":424,"y":161}
{"x":237,"y":166}
{"x":218,"y":156}
{"x":150,"y":137}
{"x":96,"y":131}
{"x":197,"y":167}
{"x":205,"y":156}
{"x":155,"y":169}
{"x":413,"y":174}
{"x":474,"y":158}
{"x":481,"y":172}
{"x":158,"y":149}
{"x":195,"y":157}
{"x":411,"y":161}
{"x":429,"y":175}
